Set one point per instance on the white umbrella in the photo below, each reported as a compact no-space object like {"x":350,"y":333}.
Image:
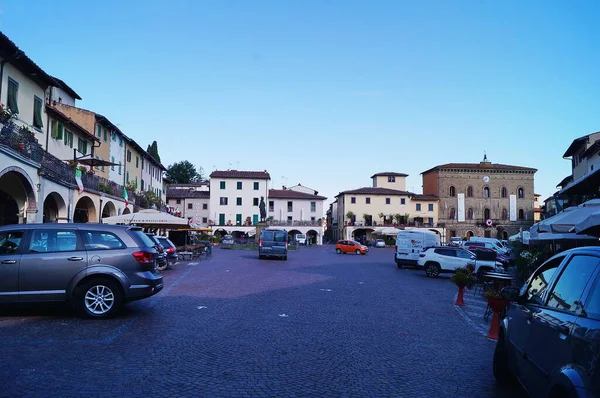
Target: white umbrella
{"x":387,"y":231}
{"x":589,"y":226}
{"x":148,"y":218}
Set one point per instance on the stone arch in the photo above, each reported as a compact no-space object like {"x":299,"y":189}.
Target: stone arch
{"x":312,"y":236}
{"x":503,"y":192}
{"x":520,"y":193}
{"x":470,"y":214}
{"x":504,"y":235}
{"x":504,"y":213}
{"x":126,"y":211}
{"x":109,"y":209}
{"x":521,"y":214}
{"x":54,"y":208}
{"x":220,"y":232}
{"x":292,"y":234}
{"x":486,"y":192}
{"x":469,"y":191}
{"x":487,"y":213}
{"x":17,"y":196}
{"x":469,"y":234}
{"x":452,"y":213}
{"x":85,"y":211}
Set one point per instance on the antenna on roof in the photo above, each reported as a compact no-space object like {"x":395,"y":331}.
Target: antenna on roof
{"x":485,"y":159}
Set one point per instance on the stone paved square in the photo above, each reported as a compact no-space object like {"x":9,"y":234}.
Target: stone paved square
{"x":317,"y":325}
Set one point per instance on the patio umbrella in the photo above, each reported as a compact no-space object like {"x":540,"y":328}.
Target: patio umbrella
{"x":148,"y":218}
{"x":589,"y":226}
{"x":387,"y":231}
{"x":564,"y":222}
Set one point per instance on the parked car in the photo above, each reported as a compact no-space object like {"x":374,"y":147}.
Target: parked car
{"x":409,"y":244}
{"x":273,"y":243}
{"x":227,"y":240}
{"x":350,"y":246}
{"x":170,"y":250}
{"x":446,"y":259}
{"x":550,"y":337}
{"x":95,"y":267}
{"x":379,"y":243}
{"x":500,"y":256}
{"x":301,"y":239}
{"x":161,"y":256}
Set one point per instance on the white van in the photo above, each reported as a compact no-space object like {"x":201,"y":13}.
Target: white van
{"x":498,"y":245}
{"x":301,"y":239}
{"x":410,"y":243}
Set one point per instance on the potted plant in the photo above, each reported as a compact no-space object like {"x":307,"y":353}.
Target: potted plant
{"x":497,"y":304}
{"x":462,"y":278}
{"x":382,"y":217}
{"x":73,"y":164}
{"x":350,"y":216}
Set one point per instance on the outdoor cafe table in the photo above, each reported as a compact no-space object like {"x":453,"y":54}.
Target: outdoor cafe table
{"x":499,"y":280}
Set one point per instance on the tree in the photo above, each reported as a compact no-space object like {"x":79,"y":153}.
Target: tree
{"x":153,"y":151}
{"x":184,"y":172}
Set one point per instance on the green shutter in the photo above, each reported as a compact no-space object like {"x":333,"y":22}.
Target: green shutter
{"x":37,"y":112}
{"x":98,"y":158}
{"x":13,"y":92}
{"x":127,"y":177}
{"x":120,"y":168}
{"x":105,"y":135}
{"x":85,"y":147}
{"x":61,"y":131}
{"x":70,"y":139}
{"x":99,"y":131}
{"x":54,"y":129}
{"x":113,"y":166}
{"x":238,"y":219}
{"x":66,"y":138}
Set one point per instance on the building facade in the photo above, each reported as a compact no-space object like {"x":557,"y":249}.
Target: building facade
{"x":361,"y":212}
{"x":190,"y":201}
{"x":482,"y":199}
{"x":235,"y":196}
{"x":582,"y":184}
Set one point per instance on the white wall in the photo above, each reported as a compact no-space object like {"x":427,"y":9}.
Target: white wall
{"x":117,"y":151}
{"x":25,"y":99}
{"x":152,"y":176}
{"x":247,"y":193}
{"x":301,"y":209}
{"x":62,"y":97}
{"x":200,"y":215}
{"x":64,"y":152}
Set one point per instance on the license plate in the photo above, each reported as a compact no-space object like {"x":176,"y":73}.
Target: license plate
{"x":266,"y":248}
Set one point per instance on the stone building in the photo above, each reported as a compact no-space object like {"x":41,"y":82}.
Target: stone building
{"x":482,"y":199}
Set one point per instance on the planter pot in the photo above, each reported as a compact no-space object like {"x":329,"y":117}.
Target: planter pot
{"x":459,"y":298}
{"x":497,"y":305}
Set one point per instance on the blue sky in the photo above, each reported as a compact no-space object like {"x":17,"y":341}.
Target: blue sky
{"x":327,"y":93}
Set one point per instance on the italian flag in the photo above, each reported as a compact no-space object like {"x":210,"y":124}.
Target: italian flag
{"x":125,"y":197}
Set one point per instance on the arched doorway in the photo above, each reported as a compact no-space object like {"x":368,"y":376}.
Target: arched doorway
{"x":16,"y":196}
{"x":469,"y":234}
{"x":292,"y":235}
{"x":126,"y":211}
{"x":109,"y":210}
{"x":85,"y":211}
{"x":312,"y":236}
{"x":504,"y":235}
{"x":54,"y":208}
{"x":359,"y":234}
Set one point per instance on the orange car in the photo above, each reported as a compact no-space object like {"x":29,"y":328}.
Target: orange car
{"x":350,"y":246}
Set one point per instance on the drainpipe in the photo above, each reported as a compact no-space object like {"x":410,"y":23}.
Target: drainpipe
{"x":48,"y":122}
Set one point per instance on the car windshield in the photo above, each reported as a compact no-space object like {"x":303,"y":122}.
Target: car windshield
{"x":274,"y":236}
{"x":145,"y":239}
{"x":379,"y":240}
{"x":357,"y":243}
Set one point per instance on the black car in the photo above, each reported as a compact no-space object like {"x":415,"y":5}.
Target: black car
{"x":161,"y":257}
{"x":170,"y":250}
{"x":550,"y":337}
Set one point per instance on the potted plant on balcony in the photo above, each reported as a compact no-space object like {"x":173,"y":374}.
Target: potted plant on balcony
{"x":350,"y":215}
{"x":462,"y":278}
{"x":5,"y":113}
{"x":497,"y":304}
{"x":73,"y":164}
{"x":382,"y":218}
{"x":398,"y":218}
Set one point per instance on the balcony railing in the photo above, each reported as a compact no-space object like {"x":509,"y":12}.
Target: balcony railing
{"x":394,"y":225}
{"x":295,"y":223}
{"x":23,"y":142}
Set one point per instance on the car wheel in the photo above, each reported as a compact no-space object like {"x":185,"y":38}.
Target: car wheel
{"x":357,"y":251}
{"x":500,"y":366}
{"x":162,"y":267}
{"x":285,"y":258}
{"x":100,"y":298}
{"x":260,"y":257}
{"x":338,"y":251}
{"x":399,"y":265}
{"x":432,"y":270}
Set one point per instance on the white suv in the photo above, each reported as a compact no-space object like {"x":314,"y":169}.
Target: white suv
{"x":447,"y":259}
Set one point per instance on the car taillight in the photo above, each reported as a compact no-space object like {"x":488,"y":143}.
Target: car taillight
{"x":421,"y":254}
{"x":396,"y":248}
{"x":171,"y":250}
{"x":260,"y":243}
{"x":286,"y":244}
{"x":145,"y":258}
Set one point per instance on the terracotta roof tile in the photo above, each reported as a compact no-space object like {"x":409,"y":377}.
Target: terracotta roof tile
{"x":480,"y":166}
{"x":258,"y":175}
{"x":175,"y":193}
{"x":291,"y":194}
{"x":389,"y":173}
{"x":375,"y":191}
{"x":424,"y":197}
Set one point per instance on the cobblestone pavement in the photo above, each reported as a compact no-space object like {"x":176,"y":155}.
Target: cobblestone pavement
{"x":318,"y":325}
{"x":474,"y":310}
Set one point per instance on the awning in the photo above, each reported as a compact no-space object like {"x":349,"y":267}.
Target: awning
{"x":589,"y":226}
{"x":565,"y":221}
{"x":387,"y":231}
{"x":585,"y":184}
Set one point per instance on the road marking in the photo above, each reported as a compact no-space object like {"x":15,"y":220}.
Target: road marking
{"x":283,"y":315}
{"x":325,"y":290}
{"x":201,"y":307}
{"x":361,"y":283}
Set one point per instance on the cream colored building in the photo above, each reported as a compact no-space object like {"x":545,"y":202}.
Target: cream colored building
{"x":362,"y":211}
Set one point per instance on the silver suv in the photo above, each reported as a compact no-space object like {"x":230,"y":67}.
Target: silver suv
{"x":95,"y":267}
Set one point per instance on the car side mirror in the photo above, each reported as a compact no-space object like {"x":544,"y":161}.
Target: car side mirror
{"x":512,"y":294}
